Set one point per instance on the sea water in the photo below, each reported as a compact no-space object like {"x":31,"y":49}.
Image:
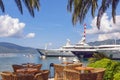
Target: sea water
{"x":8,"y":59}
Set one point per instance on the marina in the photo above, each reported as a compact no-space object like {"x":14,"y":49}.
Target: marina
{"x":20,"y":58}
{"x":92,"y":49}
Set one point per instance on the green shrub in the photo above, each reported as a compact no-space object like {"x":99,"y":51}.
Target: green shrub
{"x":117,"y":76}
{"x":112,"y":67}
{"x":97,"y":56}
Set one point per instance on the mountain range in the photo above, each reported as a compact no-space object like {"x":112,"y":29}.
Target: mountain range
{"x":6,"y":47}
{"x":105,"y":42}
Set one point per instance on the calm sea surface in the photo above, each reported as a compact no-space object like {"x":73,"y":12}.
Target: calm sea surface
{"x":6,"y":60}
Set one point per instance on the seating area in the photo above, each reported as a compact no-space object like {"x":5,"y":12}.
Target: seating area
{"x":75,"y":71}
{"x":75,"y":75}
{"x":58,"y":70}
{"x":25,"y":72}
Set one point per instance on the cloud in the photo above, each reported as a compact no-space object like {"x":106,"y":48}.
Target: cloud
{"x":114,"y":35}
{"x":108,"y":30}
{"x":11,"y":27}
{"x":30,"y":35}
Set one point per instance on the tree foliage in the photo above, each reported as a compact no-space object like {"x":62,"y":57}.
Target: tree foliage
{"x":97,"y":56}
{"x":81,"y":8}
{"x":30,"y":4}
{"x":112,"y":68}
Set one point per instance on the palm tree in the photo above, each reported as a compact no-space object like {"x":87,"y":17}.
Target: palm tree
{"x":81,"y":8}
{"x":30,"y":4}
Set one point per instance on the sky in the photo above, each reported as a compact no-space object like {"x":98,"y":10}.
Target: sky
{"x":52,"y":25}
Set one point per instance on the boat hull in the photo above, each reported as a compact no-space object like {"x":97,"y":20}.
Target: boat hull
{"x":111,"y":53}
{"x":83,"y":54}
{"x":55,"y":53}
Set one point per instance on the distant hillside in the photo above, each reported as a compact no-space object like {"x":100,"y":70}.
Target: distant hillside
{"x":109,"y":41}
{"x":13,"y":48}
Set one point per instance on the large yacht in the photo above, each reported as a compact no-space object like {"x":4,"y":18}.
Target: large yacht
{"x":60,"y":52}
{"x":82,"y":49}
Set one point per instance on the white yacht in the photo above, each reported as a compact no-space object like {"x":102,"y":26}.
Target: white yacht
{"x":61,"y":52}
{"x":82,"y":49}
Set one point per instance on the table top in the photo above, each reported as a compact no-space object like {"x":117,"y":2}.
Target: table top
{"x":84,"y":68}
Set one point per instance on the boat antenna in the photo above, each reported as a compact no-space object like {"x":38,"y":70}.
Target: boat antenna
{"x":84,"y":35}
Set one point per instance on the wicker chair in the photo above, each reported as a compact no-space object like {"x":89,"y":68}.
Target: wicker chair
{"x":58,"y":69}
{"x":71,"y":74}
{"x":38,"y":76}
{"x":6,"y":75}
{"x":20,"y":76}
{"x":15,"y":67}
{"x":88,"y":76}
{"x":100,"y":72}
{"x":75,"y":75}
{"x":45,"y":74}
{"x":72,"y":66}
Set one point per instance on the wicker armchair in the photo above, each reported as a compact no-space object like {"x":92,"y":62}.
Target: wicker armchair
{"x":38,"y":76}
{"x":71,"y":74}
{"x":88,"y":76}
{"x":42,"y":75}
{"x":6,"y":75}
{"x":75,"y":75}
{"x":58,"y":69}
{"x":45,"y":74}
{"x":20,"y":76}
{"x":100,"y":72}
{"x":15,"y":67}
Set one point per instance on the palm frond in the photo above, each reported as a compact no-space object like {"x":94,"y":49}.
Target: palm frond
{"x":2,"y":6}
{"x":69,"y":5}
{"x":94,"y":6}
{"x":103,"y":8}
{"x":114,"y":5}
{"x":84,"y":10}
{"x":31,"y":5}
{"x":19,"y":5}
{"x":77,"y":9}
